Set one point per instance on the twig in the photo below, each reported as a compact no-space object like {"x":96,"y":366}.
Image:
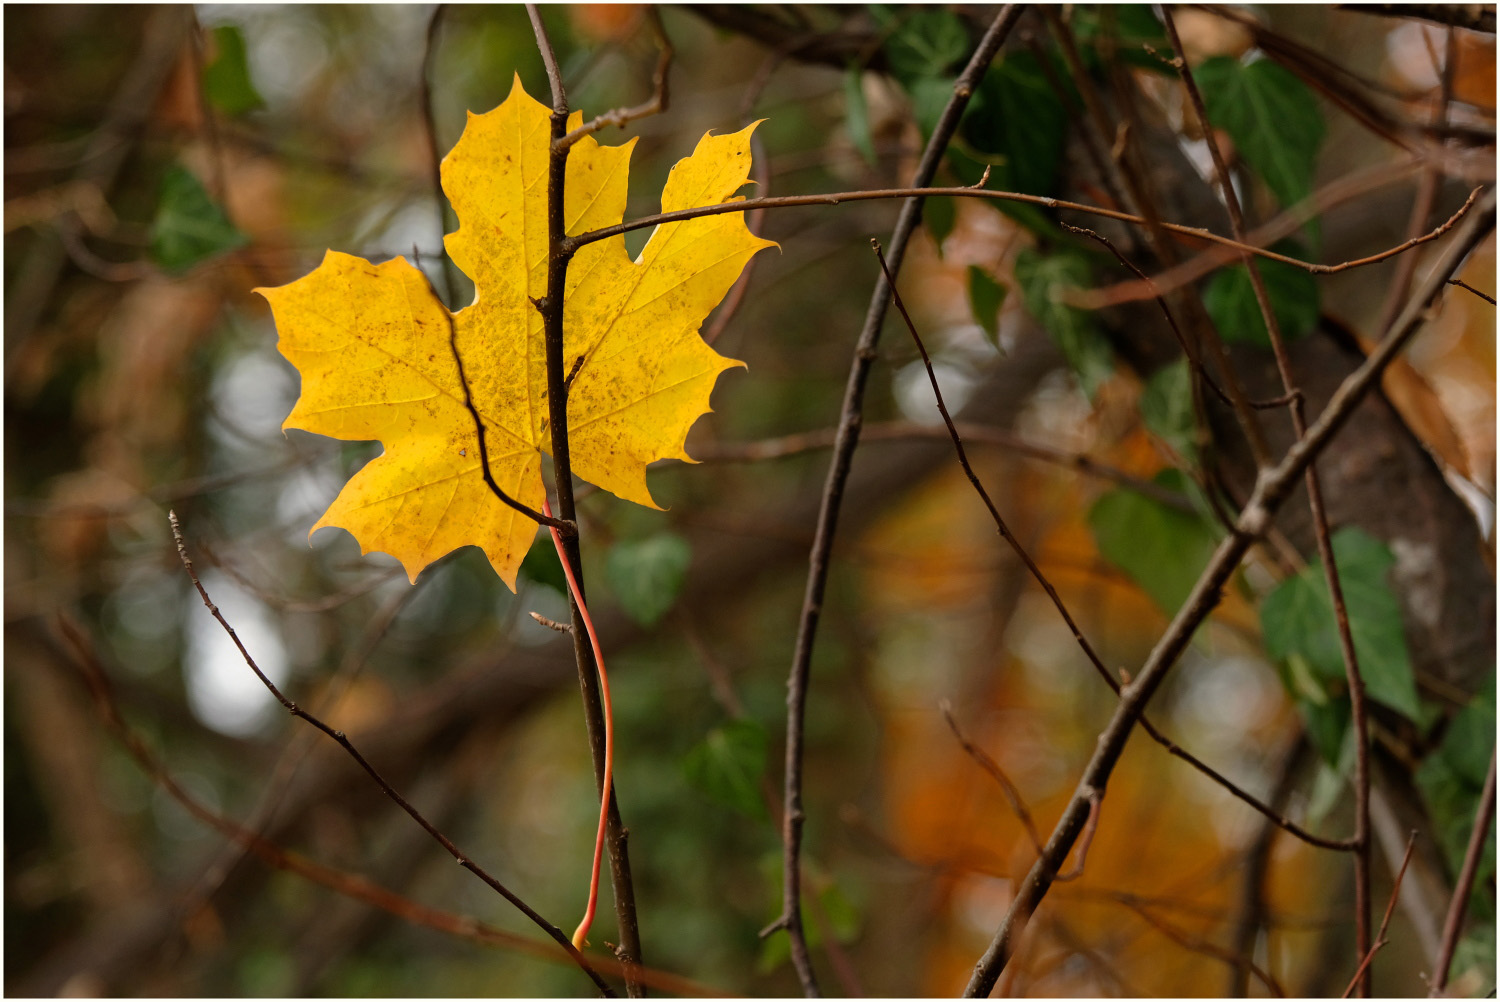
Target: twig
{"x":1086,"y":839}
{"x":1459,"y":903}
{"x":1203,"y":946}
{"x":1357,"y":707}
{"x":566,"y":526}
{"x":1465,"y":285}
{"x":551,"y":310}
{"x":434,"y":155}
{"x":653,"y":105}
{"x":1272,"y":489}
{"x":895,"y":431}
{"x":989,"y":765}
{"x":573,"y":243}
{"x":833,"y":491}
{"x":350,"y":885}
{"x":1057,"y":602}
{"x":343,"y":741}
{"x":1385,"y":922}
{"x":1475,"y":17}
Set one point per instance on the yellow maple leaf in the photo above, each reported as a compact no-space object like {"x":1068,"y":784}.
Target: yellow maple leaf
{"x":376,"y":350}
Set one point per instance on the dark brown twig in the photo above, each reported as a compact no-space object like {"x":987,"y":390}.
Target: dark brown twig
{"x":655,"y":104}
{"x":1358,"y":710}
{"x":551,"y":310}
{"x":343,"y":741}
{"x":1036,"y":572}
{"x":850,"y":417}
{"x":1459,"y":903}
{"x":1385,"y":922}
{"x":1466,"y":286}
{"x":1271,"y":491}
{"x":435,"y":156}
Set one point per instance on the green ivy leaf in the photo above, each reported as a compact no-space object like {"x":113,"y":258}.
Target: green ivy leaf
{"x":1272,"y":117}
{"x":940,"y":215}
{"x":726,"y":766}
{"x":226,"y":80}
{"x":926,"y":43}
{"x":189,"y":227}
{"x":1161,"y":549}
{"x":1017,"y":124}
{"x":1452,"y":779}
{"x":1167,"y":408}
{"x":1043,"y":280}
{"x":1230,"y":300}
{"x":647,"y":575}
{"x":857,"y":114}
{"x":1297,"y":618}
{"x":1123,"y":30}
{"x":986,"y":296}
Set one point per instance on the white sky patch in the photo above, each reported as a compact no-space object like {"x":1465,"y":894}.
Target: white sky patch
{"x":222,"y":690}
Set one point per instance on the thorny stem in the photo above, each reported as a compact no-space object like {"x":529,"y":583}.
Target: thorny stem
{"x":1358,"y":710}
{"x":1272,"y":489}
{"x":551,"y":309}
{"x":833,"y":491}
{"x":343,"y":741}
{"x":580,"y":936}
{"x":1036,"y":572}
{"x":1459,"y":903}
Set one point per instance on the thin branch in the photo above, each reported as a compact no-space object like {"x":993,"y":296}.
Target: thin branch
{"x":1036,"y":572}
{"x":1090,"y":826}
{"x":850,"y":417}
{"x":1385,"y":922}
{"x":1271,"y":491}
{"x":654,"y":105}
{"x":895,"y":431}
{"x":350,"y":885}
{"x":1358,"y":710}
{"x":434,"y":155}
{"x":1459,"y":903}
{"x":989,"y":765}
{"x":1288,"y":222}
{"x":343,"y":741}
{"x":1205,"y":947}
{"x":566,"y":526}
{"x":1465,"y":285}
{"x":551,"y":308}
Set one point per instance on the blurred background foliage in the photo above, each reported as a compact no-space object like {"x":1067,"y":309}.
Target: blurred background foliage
{"x":163,"y":162}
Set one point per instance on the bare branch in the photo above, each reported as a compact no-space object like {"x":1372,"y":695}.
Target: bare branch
{"x":1459,"y":903}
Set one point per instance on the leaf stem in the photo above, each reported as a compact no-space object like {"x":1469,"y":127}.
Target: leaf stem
{"x":580,"y":936}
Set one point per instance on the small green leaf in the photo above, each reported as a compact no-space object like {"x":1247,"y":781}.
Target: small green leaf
{"x":189,"y":227}
{"x":857,"y":114}
{"x":929,"y":97}
{"x":226,"y":80}
{"x":1044,"y":279}
{"x":1230,"y":300}
{"x":1161,"y":549}
{"x":1122,"y":30}
{"x":940,"y":215}
{"x":1167,"y":408}
{"x":986,"y":296}
{"x":926,"y":44}
{"x":646,"y":575}
{"x":1272,"y":117}
{"x":726,"y":766}
{"x":1297,"y":618}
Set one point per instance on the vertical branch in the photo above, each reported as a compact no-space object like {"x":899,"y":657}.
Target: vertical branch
{"x":833,"y":492}
{"x":551,"y":309}
{"x":434,"y":155}
{"x":1453,"y":924}
{"x":1320,"y":527}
